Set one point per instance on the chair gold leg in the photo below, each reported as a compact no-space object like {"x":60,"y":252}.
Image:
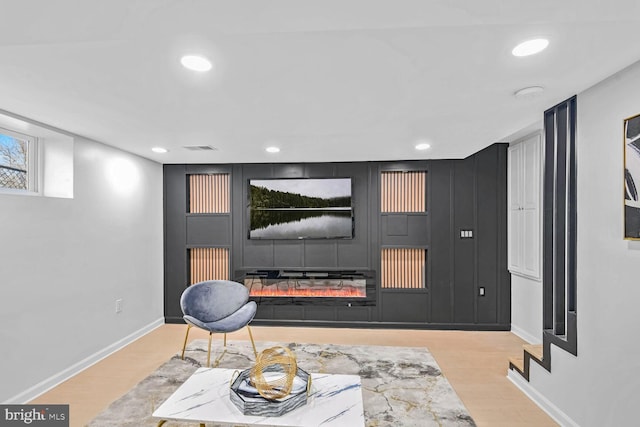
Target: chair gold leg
{"x":225,"y":339}
{"x":185,"y":341}
{"x":255,"y":352}
{"x":209,"y":352}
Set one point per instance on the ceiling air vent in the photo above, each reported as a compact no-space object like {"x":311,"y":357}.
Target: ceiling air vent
{"x":200,"y":148}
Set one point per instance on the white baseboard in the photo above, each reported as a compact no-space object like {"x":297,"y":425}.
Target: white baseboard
{"x":531,"y":339}
{"x":552,"y":410}
{"x":46,"y":385}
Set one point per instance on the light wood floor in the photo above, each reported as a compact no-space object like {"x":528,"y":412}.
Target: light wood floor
{"x":475,"y":363}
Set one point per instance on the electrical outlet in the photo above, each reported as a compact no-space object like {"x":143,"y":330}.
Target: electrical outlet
{"x":481,"y":291}
{"x":119,"y":305}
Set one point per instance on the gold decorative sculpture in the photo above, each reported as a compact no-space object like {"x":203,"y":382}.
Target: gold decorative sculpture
{"x":274,"y":372}
{"x":274,"y":386}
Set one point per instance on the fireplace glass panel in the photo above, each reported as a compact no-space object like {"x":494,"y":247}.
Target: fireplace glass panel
{"x":299,"y":284}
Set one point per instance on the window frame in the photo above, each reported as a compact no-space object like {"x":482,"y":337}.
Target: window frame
{"x":33,"y":163}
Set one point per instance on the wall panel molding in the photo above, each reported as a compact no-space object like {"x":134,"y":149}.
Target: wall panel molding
{"x":393,"y":222}
{"x":208,"y":264}
{"x":209,"y":193}
{"x":403,"y":268}
{"x":403,"y":191}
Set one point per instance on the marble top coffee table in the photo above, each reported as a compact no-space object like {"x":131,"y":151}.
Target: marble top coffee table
{"x":335,"y":400}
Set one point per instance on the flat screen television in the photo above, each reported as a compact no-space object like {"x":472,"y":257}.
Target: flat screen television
{"x":300,"y":208}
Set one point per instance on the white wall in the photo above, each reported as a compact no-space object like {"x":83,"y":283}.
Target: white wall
{"x":526,"y":308}
{"x":64,"y":262}
{"x":601,"y":387}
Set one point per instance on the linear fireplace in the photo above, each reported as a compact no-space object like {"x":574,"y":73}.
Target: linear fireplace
{"x":297,"y":286}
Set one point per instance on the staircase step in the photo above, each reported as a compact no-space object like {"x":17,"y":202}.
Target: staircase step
{"x":535,"y":350}
{"x":517,"y":363}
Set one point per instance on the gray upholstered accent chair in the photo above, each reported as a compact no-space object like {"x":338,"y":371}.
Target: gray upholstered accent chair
{"x":218,"y":306}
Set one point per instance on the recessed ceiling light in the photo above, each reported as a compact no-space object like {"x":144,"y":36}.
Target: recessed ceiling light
{"x":196,"y":63}
{"x":423,"y":146}
{"x":528,"y":91}
{"x":272,"y":150}
{"x":159,"y":150}
{"x":530,"y":47}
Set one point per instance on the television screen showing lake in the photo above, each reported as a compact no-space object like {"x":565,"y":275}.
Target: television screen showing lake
{"x":300,"y":224}
{"x":302,"y":208}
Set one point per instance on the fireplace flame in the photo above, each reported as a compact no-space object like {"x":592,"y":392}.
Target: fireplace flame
{"x":347,"y":292}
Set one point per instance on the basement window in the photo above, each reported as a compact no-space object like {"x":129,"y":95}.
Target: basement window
{"x":18,"y":162}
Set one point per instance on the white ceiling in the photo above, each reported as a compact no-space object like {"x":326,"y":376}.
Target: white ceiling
{"x":326,"y":80}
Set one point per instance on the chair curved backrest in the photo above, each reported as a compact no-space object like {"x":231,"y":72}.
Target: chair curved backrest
{"x":213,"y":300}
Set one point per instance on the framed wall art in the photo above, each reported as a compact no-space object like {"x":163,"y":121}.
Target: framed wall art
{"x":632,"y":178}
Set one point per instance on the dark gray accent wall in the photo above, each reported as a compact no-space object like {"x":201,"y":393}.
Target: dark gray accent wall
{"x":440,"y":199}
{"x":175,"y":238}
{"x":467,"y":194}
